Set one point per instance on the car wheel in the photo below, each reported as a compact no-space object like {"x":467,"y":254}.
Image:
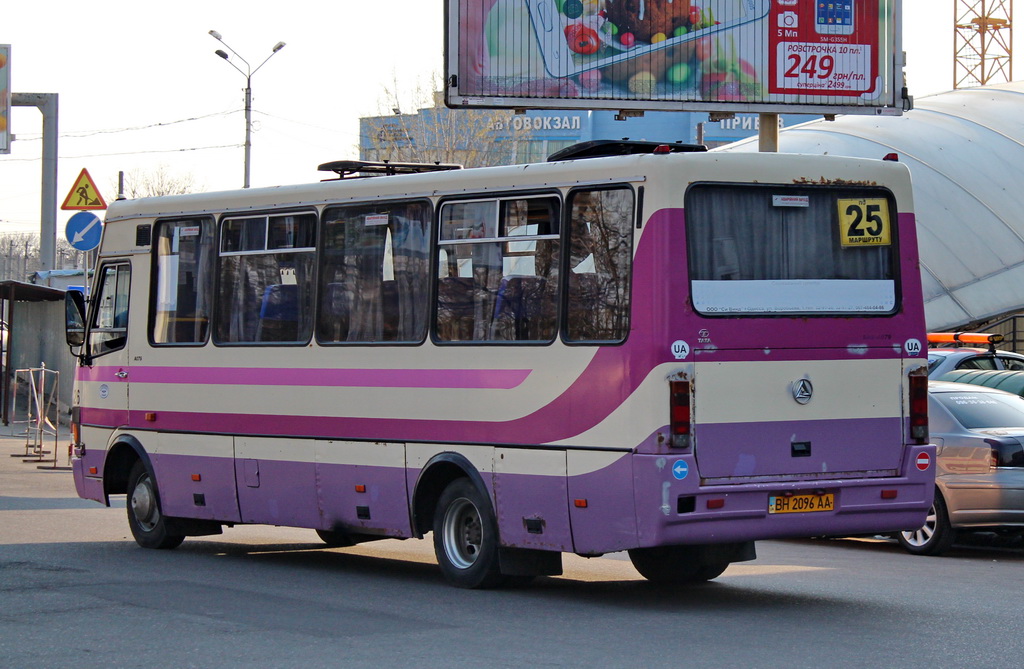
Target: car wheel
{"x":935,"y":536}
{"x":673,"y":564}
{"x":148,"y":524}
{"x":466,"y":537}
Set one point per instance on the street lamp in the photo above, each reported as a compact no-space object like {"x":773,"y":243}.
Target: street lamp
{"x":247,"y":73}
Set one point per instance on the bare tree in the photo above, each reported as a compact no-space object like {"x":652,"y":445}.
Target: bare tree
{"x":434,"y":133}
{"x":159,"y":181}
{"x":19,"y":255}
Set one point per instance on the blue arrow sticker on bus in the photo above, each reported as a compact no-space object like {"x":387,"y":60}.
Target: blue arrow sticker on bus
{"x":680,"y":469}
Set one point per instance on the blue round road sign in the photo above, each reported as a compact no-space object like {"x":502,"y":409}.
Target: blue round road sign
{"x":83,"y":231}
{"x":680,"y":469}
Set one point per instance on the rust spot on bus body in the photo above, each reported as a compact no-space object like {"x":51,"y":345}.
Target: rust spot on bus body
{"x":822,"y":181}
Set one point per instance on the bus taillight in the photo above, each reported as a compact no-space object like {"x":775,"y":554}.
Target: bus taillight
{"x":919,"y":405}
{"x":679,"y":408}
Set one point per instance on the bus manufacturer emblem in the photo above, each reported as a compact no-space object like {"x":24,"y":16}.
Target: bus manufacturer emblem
{"x":802,"y":391}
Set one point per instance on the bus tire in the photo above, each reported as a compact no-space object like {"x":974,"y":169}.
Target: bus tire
{"x":147,"y":522}
{"x":935,"y":536}
{"x":674,"y":565}
{"x":334,"y":539}
{"x":466,"y":537}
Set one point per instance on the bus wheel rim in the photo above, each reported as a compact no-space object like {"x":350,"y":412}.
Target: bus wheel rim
{"x":463,"y":533}
{"x":144,"y":504}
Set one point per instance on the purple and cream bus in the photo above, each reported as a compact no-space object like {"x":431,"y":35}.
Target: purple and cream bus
{"x":669,"y":353}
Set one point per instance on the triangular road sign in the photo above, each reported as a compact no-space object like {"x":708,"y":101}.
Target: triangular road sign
{"x":84,"y":194}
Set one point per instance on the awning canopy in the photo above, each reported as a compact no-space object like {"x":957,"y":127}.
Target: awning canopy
{"x":19,"y":291}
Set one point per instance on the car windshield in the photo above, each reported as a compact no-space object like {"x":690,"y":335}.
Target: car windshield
{"x":984,"y":410}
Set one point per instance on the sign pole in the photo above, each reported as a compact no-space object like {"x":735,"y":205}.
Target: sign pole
{"x":768,"y":133}
{"x":47,"y":104}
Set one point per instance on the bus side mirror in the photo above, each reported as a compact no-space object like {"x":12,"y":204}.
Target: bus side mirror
{"x":74,"y":319}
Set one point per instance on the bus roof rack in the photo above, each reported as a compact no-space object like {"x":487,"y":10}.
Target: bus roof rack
{"x":599,"y":148}
{"x":360,"y":168}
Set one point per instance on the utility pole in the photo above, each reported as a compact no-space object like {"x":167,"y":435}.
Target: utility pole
{"x":247,"y":73}
{"x":47,"y":104}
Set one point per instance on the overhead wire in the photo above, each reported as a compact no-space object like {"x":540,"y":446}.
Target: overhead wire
{"x":130,"y":153}
{"x":35,"y":137}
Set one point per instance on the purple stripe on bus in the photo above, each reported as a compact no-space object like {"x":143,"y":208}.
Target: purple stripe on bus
{"x":499,"y":379}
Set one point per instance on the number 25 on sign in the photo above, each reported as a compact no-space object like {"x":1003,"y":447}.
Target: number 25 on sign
{"x":864,"y":222}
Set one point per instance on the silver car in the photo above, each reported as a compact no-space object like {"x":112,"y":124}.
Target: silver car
{"x":979,"y":484}
{"x":944,"y":360}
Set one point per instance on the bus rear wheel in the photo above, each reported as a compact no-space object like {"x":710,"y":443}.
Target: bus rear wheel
{"x":466,"y":537}
{"x":148,"y":524}
{"x":674,"y":565}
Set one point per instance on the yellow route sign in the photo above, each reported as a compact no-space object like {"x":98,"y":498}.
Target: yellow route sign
{"x":84,"y":194}
{"x":864,"y":222}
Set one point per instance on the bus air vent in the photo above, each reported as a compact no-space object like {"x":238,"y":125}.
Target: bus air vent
{"x":143,"y":235}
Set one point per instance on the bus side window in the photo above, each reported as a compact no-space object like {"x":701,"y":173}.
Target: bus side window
{"x":374,"y":273}
{"x":265,"y":281}
{"x":600,"y":263}
{"x":109,"y":329}
{"x":183,"y":296}
{"x":498,"y":270}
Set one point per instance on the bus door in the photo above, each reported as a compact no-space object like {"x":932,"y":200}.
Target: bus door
{"x":104,"y":396}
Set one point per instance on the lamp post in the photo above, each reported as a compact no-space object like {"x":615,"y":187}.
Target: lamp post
{"x":247,"y":73}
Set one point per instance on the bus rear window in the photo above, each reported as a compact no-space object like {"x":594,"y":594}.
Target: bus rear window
{"x":784,"y":250}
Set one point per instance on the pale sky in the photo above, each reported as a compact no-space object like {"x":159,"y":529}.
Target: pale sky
{"x":140,"y":86}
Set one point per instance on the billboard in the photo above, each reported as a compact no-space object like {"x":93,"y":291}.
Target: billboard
{"x":767,"y":56}
{"x":5,"y":98}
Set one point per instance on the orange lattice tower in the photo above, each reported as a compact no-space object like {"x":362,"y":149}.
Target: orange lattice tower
{"x":982,"y":42}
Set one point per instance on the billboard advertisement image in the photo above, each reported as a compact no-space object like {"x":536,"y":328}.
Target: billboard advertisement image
{"x":5,"y":98}
{"x":698,"y":55}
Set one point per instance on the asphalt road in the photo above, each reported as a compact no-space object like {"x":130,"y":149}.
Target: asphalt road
{"x":75,"y":590}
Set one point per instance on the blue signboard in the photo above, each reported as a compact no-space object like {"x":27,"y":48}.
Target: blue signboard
{"x":83,"y":231}
{"x":680,"y":469}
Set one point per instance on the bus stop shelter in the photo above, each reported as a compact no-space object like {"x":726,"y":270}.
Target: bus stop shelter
{"x":32,"y":336}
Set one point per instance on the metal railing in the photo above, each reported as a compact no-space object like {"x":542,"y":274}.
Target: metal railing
{"x":1012,"y":329}
{"x":42,"y":408}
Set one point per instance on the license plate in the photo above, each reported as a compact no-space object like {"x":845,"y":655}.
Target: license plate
{"x":801,"y":503}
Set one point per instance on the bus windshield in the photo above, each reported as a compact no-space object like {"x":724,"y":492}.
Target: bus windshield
{"x":815,"y":250}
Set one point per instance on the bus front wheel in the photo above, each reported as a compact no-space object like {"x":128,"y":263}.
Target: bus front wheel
{"x":466,"y":537}
{"x":148,"y":524}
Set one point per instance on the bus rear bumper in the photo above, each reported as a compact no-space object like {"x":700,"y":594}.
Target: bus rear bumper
{"x":675,"y":507}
